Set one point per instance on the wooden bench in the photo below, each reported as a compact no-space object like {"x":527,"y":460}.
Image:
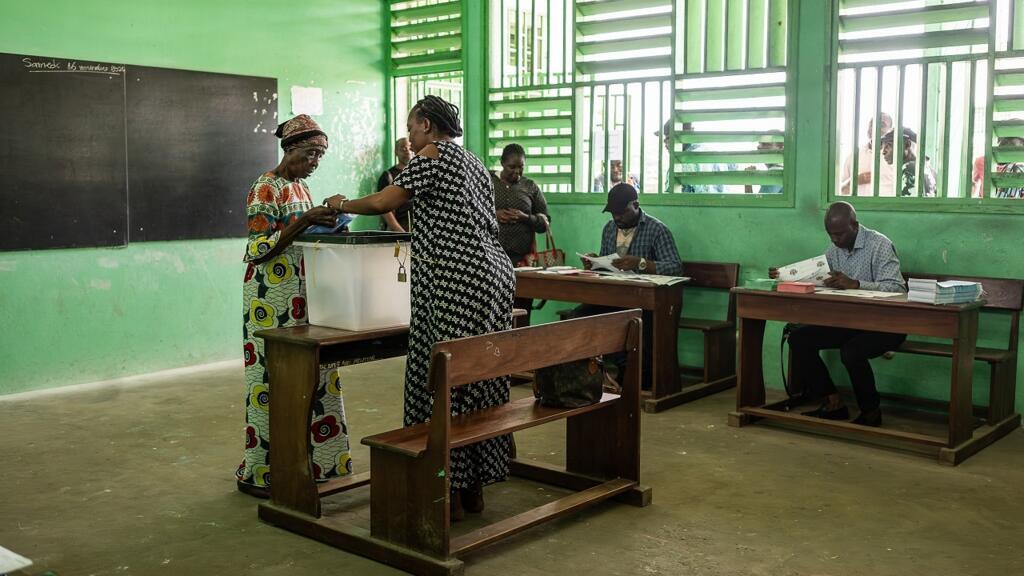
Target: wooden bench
{"x":1004,"y":296}
{"x":719,"y":369}
{"x":409,"y":478}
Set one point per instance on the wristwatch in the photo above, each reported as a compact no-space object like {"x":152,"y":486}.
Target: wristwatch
{"x":642,"y":265}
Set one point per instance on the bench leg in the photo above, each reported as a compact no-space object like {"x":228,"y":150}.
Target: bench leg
{"x":606,"y":444}
{"x":409,"y":502}
{"x":719,"y":354}
{"x":1002,"y":390}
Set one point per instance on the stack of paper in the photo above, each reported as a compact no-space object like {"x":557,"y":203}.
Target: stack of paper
{"x":946,"y":292}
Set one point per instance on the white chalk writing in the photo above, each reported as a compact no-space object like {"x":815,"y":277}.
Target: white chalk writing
{"x":71,"y":66}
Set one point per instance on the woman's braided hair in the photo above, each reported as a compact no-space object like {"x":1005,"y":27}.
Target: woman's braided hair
{"x":442,"y":114}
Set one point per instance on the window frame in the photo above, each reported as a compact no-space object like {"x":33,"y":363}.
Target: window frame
{"x":787,"y":199}
{"x":984,"y":205}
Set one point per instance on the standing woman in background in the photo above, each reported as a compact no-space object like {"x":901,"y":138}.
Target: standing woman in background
{"x":521,"y":209}
{"x":399,"y":220}
{"x":279,"y":208}
{"x":462,"y":280}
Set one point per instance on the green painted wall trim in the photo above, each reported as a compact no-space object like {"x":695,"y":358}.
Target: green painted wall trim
{"x":475,"y":58}
{"x":73,"y":316}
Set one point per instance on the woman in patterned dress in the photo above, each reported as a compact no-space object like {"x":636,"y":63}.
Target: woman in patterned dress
{"x":462,"y":280}
{"x":279,"y":208}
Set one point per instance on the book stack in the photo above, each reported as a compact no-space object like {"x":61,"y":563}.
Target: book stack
{"x":944,"y":292}
{"x":797,"y":287}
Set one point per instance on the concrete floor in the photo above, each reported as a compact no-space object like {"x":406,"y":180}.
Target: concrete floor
{"x":137,"y":479}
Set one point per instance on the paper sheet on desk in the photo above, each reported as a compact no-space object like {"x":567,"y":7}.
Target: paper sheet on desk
{"x":813,"y":270}
{"x":9,"y":561}
{"x":658,"y":279}
{"x":601,"y":262}
{"x":857,"y":293}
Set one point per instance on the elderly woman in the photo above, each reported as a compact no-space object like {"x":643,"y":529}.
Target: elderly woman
{"x":279,"y":208}
{"x":522,"y":211}
{"x":462,"y":280}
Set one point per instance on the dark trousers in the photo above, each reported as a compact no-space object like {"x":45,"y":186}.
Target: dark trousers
{"x":856,"y":347}
{"x":525,"y":304}
{"x":619,"y":358}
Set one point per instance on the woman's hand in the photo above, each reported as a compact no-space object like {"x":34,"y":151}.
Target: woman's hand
{"x":511,"y":216}
{"x":335,"y":202}
{"x":321,"y":215}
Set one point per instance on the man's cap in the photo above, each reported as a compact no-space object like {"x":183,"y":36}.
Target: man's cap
{"x":908,"y":134}
{"x":619,"y":197}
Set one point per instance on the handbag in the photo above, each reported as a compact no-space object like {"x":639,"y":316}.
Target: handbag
{"x":570,"y":385}
{"x":550,"y":256}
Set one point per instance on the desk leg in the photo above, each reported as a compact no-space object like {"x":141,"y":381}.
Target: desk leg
{"x":294,"y":371}
{"x":961,"y":411}
{"x":750,"y":372}
{"x":665,"y":383}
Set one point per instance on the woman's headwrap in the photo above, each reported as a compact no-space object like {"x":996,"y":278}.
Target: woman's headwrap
{"x":300,"y":131}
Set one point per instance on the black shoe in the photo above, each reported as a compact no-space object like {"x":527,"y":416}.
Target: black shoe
{"x":841,"y":413}
{"x":869,"y":418}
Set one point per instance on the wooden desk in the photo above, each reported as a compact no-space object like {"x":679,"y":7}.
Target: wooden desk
{"x":665,"y":302}
{"x":293,"y":358}
{"x":958,"y":323}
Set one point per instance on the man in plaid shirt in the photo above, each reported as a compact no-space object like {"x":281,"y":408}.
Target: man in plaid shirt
{"x":643,"y":243}
{"x":645,"y":246}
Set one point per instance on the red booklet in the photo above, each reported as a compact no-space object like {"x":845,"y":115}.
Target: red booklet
{"x":798,"y":287}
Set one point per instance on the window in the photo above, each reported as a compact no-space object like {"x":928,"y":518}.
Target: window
{"x":425,"y":56}
{"x":674,"y":96}
{"x":928,"y":105}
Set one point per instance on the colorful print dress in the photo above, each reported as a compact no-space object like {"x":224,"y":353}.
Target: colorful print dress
{"x":274,"y":295}
{"x":462,"y":285}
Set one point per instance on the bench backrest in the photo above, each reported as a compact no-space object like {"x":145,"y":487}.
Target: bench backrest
{"x":501,"y":353}
{"x":467,"y":360}
{"x":725,"y":275}
{"x":1005,"y":294}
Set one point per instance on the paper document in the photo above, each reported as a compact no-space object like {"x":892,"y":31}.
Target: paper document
{"x":9,"y":561}
{"x":601,"y":262}
{"x":814,"y":270}
{"x":857,"y":293}
{"x":657,"y":279}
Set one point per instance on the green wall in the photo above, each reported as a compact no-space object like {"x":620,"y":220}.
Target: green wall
{"x":969,"y":244}
{"x":74,"y":316}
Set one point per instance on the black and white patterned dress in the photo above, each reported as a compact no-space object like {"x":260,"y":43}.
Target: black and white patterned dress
{"x":462,"y":285}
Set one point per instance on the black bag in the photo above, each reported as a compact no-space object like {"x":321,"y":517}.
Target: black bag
{"x":570,"y":385}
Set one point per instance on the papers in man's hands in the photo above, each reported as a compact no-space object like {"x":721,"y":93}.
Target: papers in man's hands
{"x":814,"y":270}
{"x":9,"y":561}
{"x":601,"y":262}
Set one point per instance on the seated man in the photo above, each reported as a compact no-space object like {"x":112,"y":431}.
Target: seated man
{"x":644,"y":246}
{"x":859,"y":258}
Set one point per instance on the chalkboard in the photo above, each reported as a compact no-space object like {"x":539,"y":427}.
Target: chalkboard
{"x":62,"y":169}
{"x":100,"y":154}
{"x":196,"y":143}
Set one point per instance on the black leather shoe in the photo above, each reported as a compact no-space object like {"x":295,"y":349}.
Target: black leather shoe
{"x":841,"y":413}
{"x":869,"y":418}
